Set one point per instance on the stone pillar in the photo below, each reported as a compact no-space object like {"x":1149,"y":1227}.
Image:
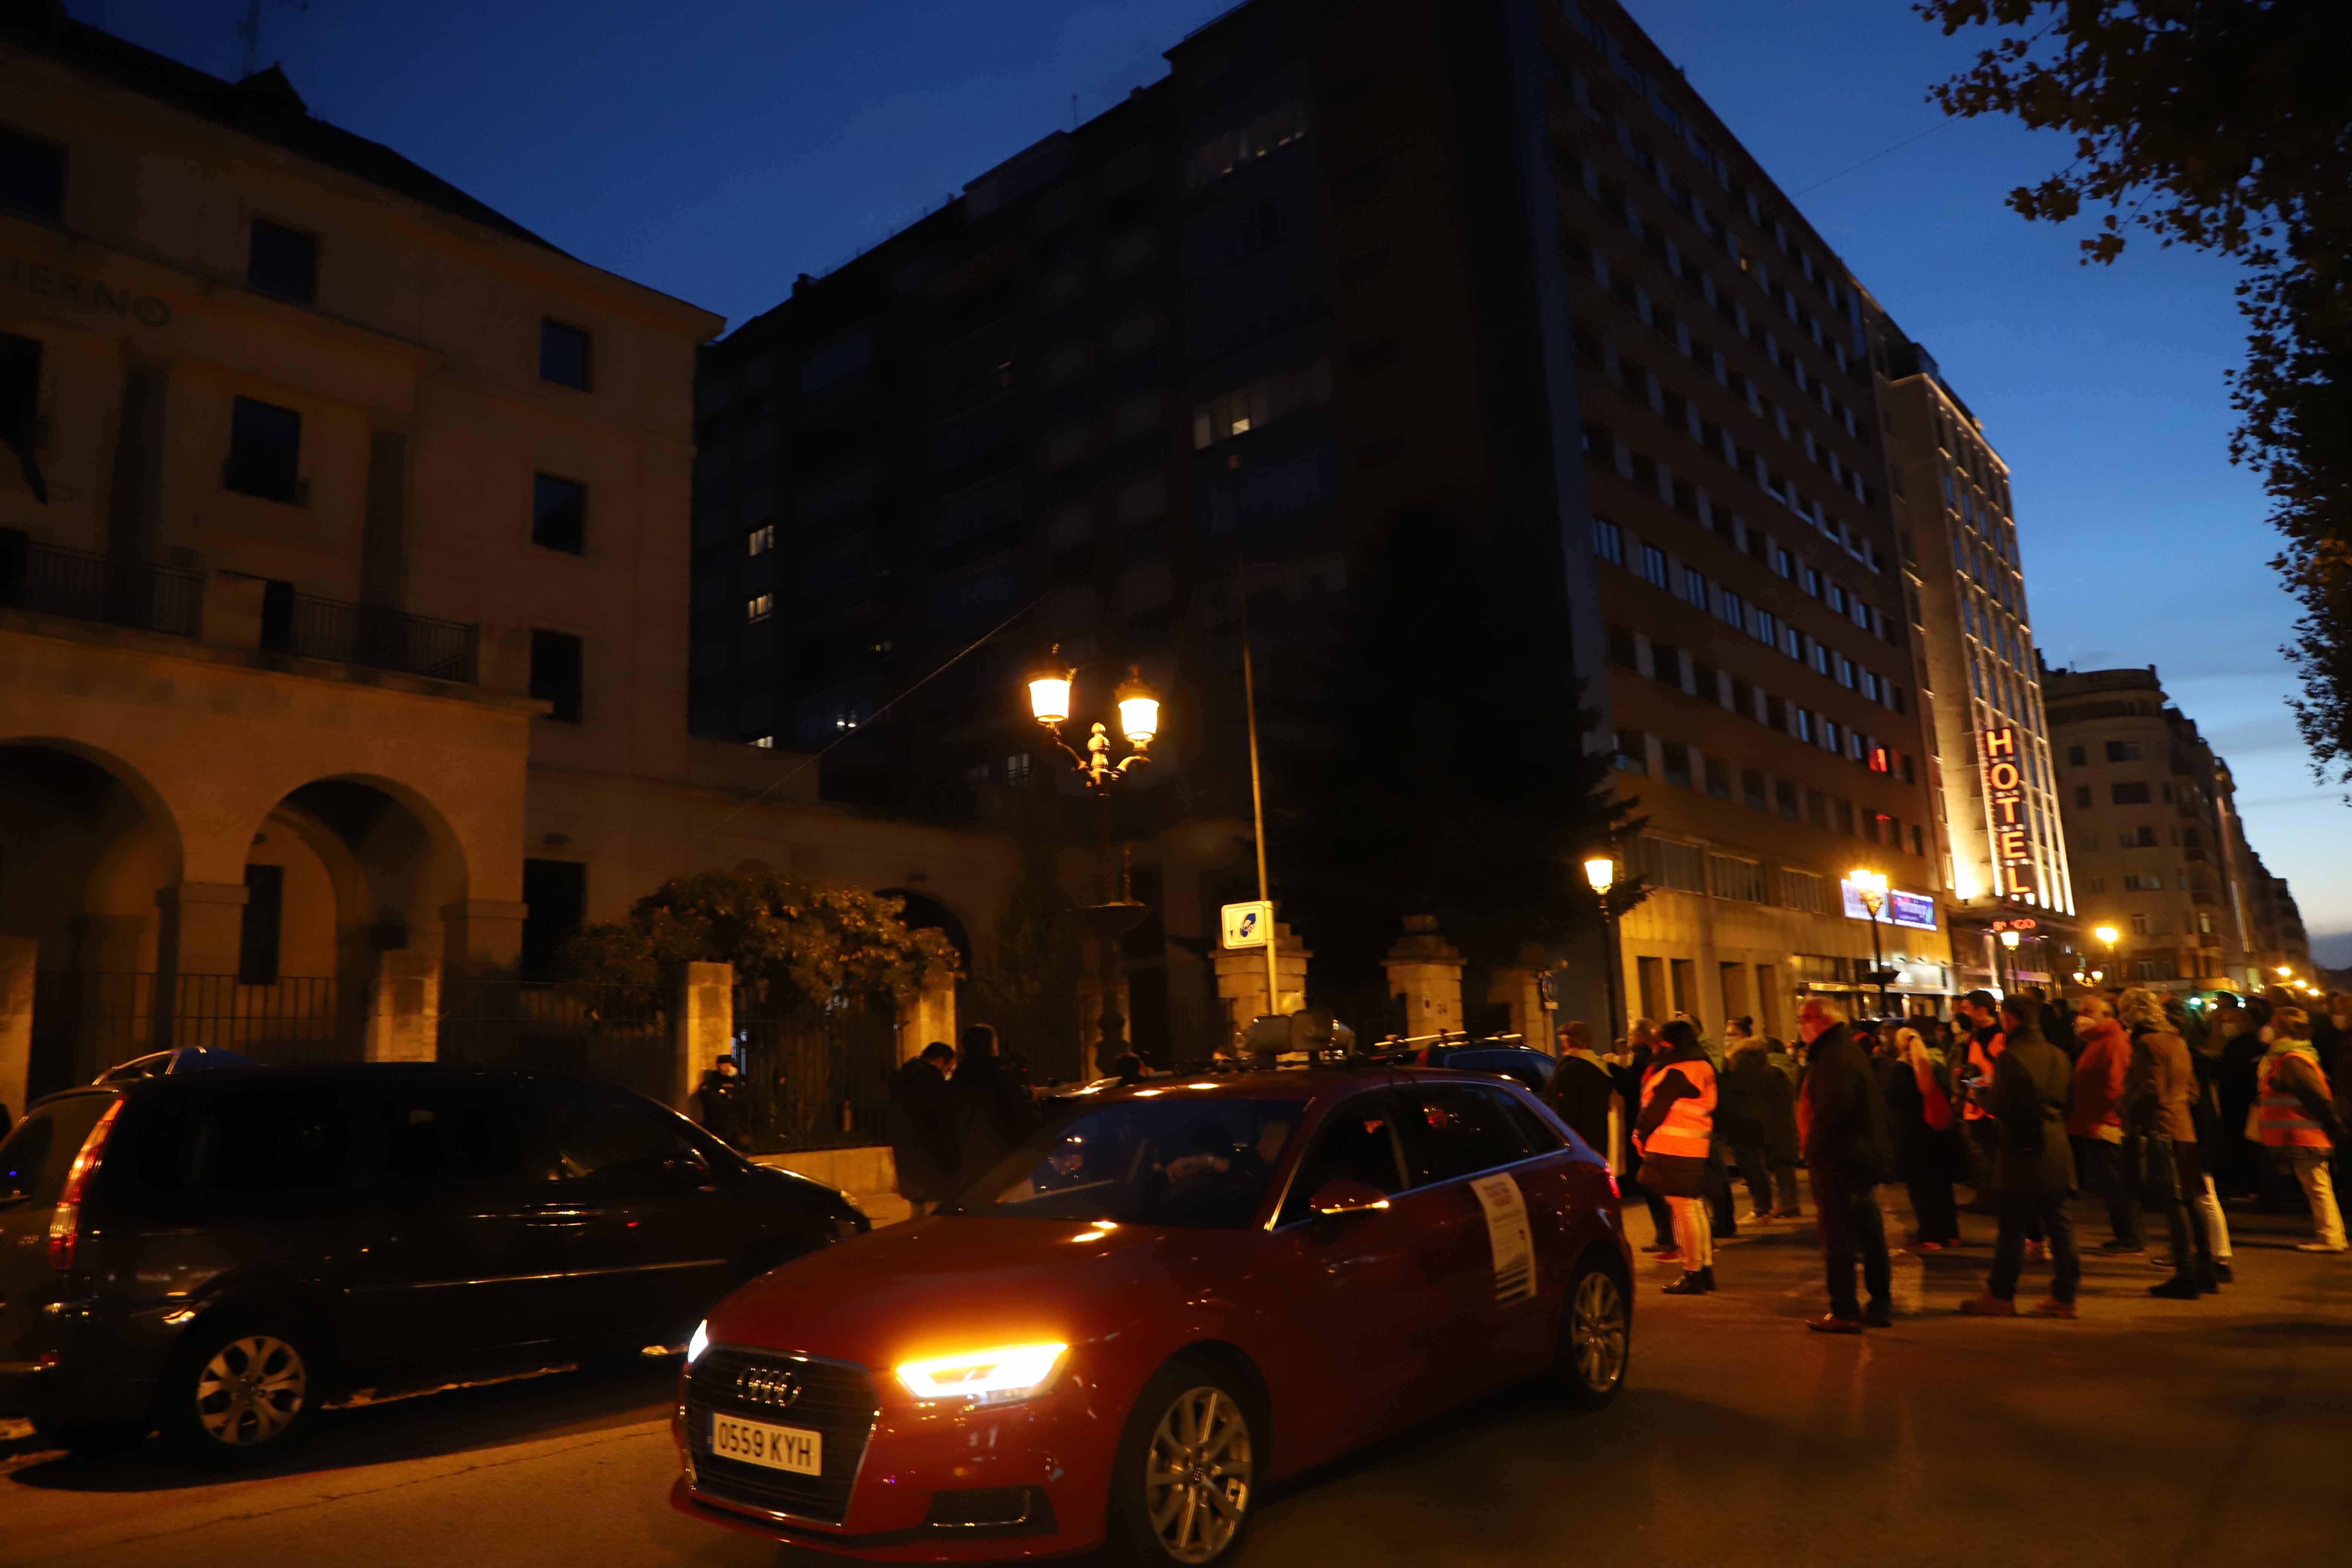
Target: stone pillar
{"x":1521,"y":989}
{"x":1426,"y":970}
{"x":18,"y":955}
{"x":1241,"y":977}
{"x":404,"y":1017}
{"x":931,"y":1016}
{"x":702,"y":1026}
{"x":481,"y":937}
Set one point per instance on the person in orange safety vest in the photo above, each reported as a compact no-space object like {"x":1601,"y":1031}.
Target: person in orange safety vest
{"x":1673,"y":1134}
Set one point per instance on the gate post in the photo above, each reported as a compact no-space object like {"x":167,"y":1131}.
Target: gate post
{"x":702,"y":1028}
{"x":403,"y":1018}
{"x":18,"y":958}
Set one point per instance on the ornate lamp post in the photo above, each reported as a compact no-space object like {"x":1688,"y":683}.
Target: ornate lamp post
{"x":2010,"y":939}
{"x":1600,"y":875}
{"x":2109,"y":936}
{"x":1107,"y":922}
{"x":1871,"y":886}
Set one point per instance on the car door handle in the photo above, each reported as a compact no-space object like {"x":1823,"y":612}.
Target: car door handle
{"x":560,"y":1215}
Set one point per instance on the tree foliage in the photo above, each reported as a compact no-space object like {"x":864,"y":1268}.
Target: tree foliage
{"x":1027,"y":984}
{"x":1460,"y":785}
{"x":2227,"y":125}
{"x":813,"y":941}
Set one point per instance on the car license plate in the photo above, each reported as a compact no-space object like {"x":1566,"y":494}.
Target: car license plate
{"x":791,"y":1448}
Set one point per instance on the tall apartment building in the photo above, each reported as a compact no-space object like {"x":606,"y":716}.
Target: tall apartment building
{"x":343,"y":578}
{"x":1997,"y":805}
{"x":2152,"y":830}
{"x":1493,"y":264}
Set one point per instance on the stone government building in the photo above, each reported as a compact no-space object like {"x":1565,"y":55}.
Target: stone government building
{"x":343,"y":582}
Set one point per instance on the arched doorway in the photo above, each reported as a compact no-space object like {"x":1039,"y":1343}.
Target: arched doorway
{"x":85,"y":845}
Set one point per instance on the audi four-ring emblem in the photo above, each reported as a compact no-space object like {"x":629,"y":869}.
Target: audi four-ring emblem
{"x":779,"y":1389}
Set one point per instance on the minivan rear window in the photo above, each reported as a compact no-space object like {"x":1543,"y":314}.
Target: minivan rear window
{"x":40,"y":1150}
{"x":243,"y":1146}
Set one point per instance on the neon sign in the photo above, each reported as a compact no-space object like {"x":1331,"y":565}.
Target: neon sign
{"x":2012,"y":847}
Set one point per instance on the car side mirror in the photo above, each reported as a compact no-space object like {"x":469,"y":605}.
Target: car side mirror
{"x":1341,"y":1195}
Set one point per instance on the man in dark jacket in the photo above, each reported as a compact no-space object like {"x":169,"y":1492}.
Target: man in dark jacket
{"x":1757,"y":1114}
{"x":2034,"y":1165}
{"x":988,"y":1108}
{"x":1842,"y":1118}
{"x":1580,"y":1090}
{"x":719,"y":1101}
{"x":922,"y":1140}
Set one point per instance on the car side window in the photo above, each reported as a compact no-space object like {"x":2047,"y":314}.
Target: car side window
{"x":1539,"y":1135}
{"x":1526,"y":1066}
{"x":429,"y":1134}
{"x":1456,"y":1130}
{"x":588,"y":1131}
{"x":254,"y":1148}
{"x":1357,"y":1143}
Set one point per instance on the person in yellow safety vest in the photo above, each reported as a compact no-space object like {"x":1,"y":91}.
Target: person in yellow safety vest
{"x":2296,"y":1118}
{"x":1675,"y":1129}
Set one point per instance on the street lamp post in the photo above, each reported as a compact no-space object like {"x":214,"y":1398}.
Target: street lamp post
{"x":1601,"y":874}
{"x":1871,"y":886}
{"x":2010,"y":939}
{"x":2109,"y":936}
{"x":1138,"y":720}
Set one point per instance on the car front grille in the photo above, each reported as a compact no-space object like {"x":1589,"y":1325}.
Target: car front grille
{"x":835,"y":1399}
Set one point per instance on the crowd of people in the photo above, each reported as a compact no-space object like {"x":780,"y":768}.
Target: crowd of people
{"x":2156,"y":1107}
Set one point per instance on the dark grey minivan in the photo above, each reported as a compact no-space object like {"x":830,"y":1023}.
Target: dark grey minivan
{"x":216,"y":1254}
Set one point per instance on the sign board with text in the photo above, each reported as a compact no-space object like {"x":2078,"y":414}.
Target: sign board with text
{"x":1245,"y":925}
{"x":1916,"y":910}
{"x":2013,"y":840}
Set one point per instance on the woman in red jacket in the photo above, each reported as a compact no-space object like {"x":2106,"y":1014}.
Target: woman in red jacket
{"x":2094,"y":1122}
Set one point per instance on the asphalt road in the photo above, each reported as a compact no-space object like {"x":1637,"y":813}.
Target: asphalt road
{"x":2149,"y":1433}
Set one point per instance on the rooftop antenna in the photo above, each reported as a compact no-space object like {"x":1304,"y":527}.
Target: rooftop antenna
{"x":250,"y":31}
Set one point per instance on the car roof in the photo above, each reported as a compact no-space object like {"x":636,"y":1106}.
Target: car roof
{"x":1313,"y":1083}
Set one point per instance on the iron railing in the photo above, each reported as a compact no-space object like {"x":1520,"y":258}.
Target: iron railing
{"x":620,"y":1033}
{"x":85,"y":1022}
{"x":815,"y":1078}
{"x":370,"y":635}
{"x":54,"y":581}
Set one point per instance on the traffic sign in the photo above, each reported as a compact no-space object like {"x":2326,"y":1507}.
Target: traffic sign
{"x":1245,"y":925}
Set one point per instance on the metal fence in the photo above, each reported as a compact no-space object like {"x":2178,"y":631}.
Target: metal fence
{"x":56,"y":581}
{"x":85,"y":1022}
{"x":617,"y":1033}
{"x":815,"y":1078}
{"x":378,"y":637}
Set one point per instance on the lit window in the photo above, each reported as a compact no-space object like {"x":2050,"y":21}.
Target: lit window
{"x":762,"y":539}
{"x":759,"y":606}
{"x":1016,"y":770}
{"x":765,"y":742}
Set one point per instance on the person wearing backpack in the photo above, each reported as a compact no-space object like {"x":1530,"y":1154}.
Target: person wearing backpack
{"x":1926,"y":1153}
{"x":2034,"y":1165}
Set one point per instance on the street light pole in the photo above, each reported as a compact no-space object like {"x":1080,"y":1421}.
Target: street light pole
{"x":2009,"y":939}
{"x":1871,"y":886}
{"x":1257,"y":818}
{"x":1601,"y":874}
{"x":1139,"y":720}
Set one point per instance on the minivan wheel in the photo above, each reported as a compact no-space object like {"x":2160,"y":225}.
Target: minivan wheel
{"x":1187,"y":1472}
{"x":91,"y":1439}
{"x":241,"y":1390}
{"x":1596,"y":1339}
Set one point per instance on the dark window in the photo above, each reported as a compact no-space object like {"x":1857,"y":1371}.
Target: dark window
{"x":1677,"y":758}
{"x":589,"y":1130}
{"x":265,"y":451}
{"x":1540,"y":1136}
{"x":1719,"y":781}
{"x":2073,"y":756}
{"x":283,"y":261}
{"x":1785,"y":795}
{"x":2131,"y":795}
{"x":558,"y":513}
{"x":261,"y":1149}
{"x":20,"y":387}
{"x":32,"y":175}
{"x":555,"y":893}
{"x":563,"y":354}
{"x":1751,"y":790}
{"x":2082,"y":794}
{"x":1456,"y":1131}
{"x":1357,"y":1143}
{"x":2123,"y":751}
{"x":434,"y":1134}
{"x":263,"y":918}
{"x":556,"y":674}
{"x":36,"y":1156}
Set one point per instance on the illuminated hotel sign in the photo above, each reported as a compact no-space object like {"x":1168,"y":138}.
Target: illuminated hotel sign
{"x":2012,"y":846}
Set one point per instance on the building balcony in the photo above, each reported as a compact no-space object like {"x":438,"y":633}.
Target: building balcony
{"x":234,"y":610}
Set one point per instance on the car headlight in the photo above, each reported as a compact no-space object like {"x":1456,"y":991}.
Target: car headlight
{"x":986,"y":1377}
{"x":698,"y":1342}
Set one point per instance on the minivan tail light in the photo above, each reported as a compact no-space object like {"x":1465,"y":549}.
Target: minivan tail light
{"x":65,"y":1220}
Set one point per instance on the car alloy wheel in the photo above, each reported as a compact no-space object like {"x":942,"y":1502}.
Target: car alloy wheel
{"x":1197,"y":1475}
{"x":1598,"y":1337}
{"x":251,"y":1390}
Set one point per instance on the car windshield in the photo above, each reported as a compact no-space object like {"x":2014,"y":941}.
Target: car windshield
{"x":1187,"y":1162}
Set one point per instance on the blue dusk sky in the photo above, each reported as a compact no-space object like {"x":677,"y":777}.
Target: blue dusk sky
{"x":715,"y":150}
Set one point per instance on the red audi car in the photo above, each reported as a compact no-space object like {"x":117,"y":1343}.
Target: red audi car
{"x":1174,"y":1296}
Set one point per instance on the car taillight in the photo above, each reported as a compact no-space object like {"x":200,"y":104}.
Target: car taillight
{"x":65,"y":1221}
